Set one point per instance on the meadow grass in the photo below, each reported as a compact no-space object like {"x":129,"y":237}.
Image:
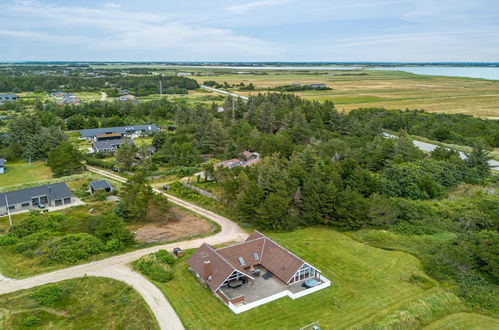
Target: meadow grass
{"x":464,"y":321}
{"x":388,"y":89}
{"x":87,"y":303}
{"x":23,"y":172}
{"x":371,"y":288}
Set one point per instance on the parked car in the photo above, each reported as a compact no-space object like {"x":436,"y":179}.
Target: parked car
{"x":41,"y":205}
{"x":115,"y":169}
{"x":165,"y":187}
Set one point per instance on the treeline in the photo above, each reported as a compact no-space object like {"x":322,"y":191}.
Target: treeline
{"x":449,"y":128}
{"x":139,"y":85}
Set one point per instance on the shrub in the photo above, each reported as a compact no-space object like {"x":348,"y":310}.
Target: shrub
{"x":31,"y":321}
{"x":71,"y":248}
{"x":165,"y":256}
{"x":156,"y":266}
{"x":48,"y":295}
{"x":7,"y":240}
{"x":154,"y":271}
{"x":36,"y":222}
{"x":32,"y":242}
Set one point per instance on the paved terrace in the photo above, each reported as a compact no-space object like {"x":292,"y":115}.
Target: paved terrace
{"x":261,"y":288}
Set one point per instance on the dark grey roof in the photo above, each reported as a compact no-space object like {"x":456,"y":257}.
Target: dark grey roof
{"x":53,"y":191}
{"x":122,"y":129}
{"x":2,"y":162}
{"x":109,"y":144}
{"x":8,"y":96}
{"x":101,"y":184}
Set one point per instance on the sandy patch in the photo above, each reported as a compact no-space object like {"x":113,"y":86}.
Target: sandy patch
{"x":182,"y":225}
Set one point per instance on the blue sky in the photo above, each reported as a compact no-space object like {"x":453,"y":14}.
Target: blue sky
{"x":250,"y":30}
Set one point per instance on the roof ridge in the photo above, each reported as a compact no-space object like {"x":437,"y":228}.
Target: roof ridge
{"x":251,"y":240}
{"x":220,"y":256}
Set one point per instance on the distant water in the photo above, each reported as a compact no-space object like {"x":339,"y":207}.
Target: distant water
{"x":491,"y":73}
{"x":264,"y":67}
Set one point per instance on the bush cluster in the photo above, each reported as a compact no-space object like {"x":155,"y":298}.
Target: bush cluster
{"x":156,"y":266}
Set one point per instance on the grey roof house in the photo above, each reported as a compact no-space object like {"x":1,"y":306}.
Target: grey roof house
{"x":130,"y":131}
{"x":55,"y":194}
{"x":100,"y":185}
{"x":109,"y":145}
{"x":7,"y":97}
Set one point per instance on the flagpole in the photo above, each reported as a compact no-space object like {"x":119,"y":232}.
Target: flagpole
{"x":8,"y":211}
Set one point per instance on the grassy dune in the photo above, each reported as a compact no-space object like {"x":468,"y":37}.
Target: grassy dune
{"x":389,"y":89}
{"x":464,"y":321}
{"x":87,"y":303}
{"x":371,"y":288}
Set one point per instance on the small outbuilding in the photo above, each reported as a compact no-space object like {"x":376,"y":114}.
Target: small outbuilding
{"x":100,"y":185}
{"x":2,"y":166}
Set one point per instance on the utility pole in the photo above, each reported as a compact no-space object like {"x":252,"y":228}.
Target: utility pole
{"x":233,"y":111}
{"x":160,"y":88}
{"x":8,"y":211}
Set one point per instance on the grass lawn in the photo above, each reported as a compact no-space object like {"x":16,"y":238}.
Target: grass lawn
{"x":23,"y":172}
{"x":371,"y":288}
{"x":88,"y":303}
{"x":463,"y":321}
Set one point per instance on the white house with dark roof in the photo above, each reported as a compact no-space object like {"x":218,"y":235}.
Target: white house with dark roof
{"x":254,"y":272}
{"x":131,"y":131}
{"x":50,"y":195}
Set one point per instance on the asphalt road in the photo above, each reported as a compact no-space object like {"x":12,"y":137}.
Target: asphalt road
{"x":118,"y":268}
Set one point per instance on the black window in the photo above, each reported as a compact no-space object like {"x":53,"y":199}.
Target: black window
{"x":12,"y":207}
{"x":25,"y":205}
{"x":67,"y":200}
{"x":44,"y":199}
{"x":58,"y":202}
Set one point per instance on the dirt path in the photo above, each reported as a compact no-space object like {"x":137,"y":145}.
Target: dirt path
{"x":117,"y":267}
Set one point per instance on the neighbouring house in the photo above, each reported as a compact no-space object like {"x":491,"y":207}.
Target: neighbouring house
{"x":110,"y":136}
{"x":123,"y":91}
{"x":184,"y":74}
{"x":69,"y":99}
{"x":2,"y":166}
{"x":51,"y":195}
{"x":100,"y":185}
{"x":109,"y":145}
{"x":8,"y":97}
{"x":248,"y":158}
{"x":254,"y":272}
{"x":128,"y":97}
{"x":131,"y":131}
{"x":317,"y":86}
{"x":57,"y":94}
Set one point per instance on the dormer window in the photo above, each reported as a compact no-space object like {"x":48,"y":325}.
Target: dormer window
{"x":256,"y":256}
{"x":241,"y":261}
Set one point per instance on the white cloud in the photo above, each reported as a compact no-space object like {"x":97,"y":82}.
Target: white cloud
{"x":112,"y":5}
{"x":239,"y":9}
{"x":115,"y":31}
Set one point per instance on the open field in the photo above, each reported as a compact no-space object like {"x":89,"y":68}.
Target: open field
{"x":463,"y":321}
{"x":371,"y":288}
{"x":23,"y":172}
{"x":388,"y":89}
{"x":86,"y":303}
